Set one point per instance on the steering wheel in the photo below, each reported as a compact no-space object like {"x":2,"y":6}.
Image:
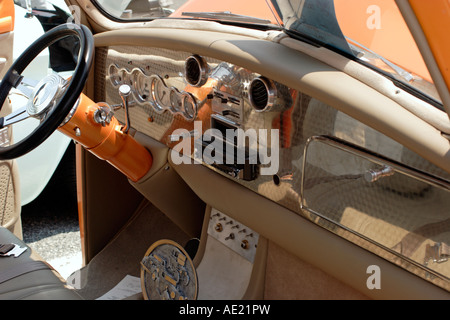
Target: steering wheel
{"x":52,"y":98}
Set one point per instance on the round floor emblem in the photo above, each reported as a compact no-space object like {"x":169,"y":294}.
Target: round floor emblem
{"x":168,"y":273}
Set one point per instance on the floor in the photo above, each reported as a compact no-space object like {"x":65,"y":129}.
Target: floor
{"x":108,"y":268}
{"x":51,"y":229}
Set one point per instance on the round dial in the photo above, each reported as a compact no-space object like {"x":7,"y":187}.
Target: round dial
{"x":160,"y":94}
{"x":176,"y":102}
{"x":190,"y":106}
{"x":114,"y":75}
{"x":141,"y":85}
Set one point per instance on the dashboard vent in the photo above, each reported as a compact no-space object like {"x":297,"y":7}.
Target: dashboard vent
{"x":262,"y":94}
{"x":196,"y":69}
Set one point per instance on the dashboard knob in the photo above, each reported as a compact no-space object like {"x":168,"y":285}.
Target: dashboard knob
{"x":124,"y":92}
{"x":244,"y":244}
{"x":218,"y":227}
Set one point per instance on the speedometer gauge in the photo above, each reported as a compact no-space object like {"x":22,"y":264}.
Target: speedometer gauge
{"x":160,"y":94}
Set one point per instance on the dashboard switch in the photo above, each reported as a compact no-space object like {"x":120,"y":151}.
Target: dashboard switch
{"x":233,"y":234}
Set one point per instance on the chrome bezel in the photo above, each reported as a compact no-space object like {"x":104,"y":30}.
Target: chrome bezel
{"x":189,"y":98}
{"x":202,"y":66}
{"x":114,"y":76}
{"x":176,"y":103}
{"x":154,"y":100}
{"x":271,"y":94}
{"x":138,"y":75}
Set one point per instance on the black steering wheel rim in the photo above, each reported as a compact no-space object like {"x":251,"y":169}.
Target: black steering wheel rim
{"x":68,"y":99}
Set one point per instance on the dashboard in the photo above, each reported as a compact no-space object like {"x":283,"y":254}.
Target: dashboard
{"x":237,"y":122}
{"x":279,"y":142}
{"x":179,"y":95}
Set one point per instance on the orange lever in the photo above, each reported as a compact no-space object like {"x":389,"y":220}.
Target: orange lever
{"x":107,"y":141}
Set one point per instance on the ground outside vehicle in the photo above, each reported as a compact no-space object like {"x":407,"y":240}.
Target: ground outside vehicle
{"x":277,"y":150}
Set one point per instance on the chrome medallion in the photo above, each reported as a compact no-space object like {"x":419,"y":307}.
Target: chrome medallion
{"x":168,"y":273}
{"x":45,"y":95}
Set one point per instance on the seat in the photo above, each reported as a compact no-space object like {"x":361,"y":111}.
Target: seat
{"x":42,"y":283}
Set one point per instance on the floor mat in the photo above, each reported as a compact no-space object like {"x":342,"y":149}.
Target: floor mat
{"x":122,"y":256}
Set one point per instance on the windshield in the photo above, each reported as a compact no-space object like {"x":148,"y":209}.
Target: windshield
{"x":372,"y":32}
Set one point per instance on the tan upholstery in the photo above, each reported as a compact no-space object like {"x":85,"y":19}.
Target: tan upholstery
{"x":36,"y":285}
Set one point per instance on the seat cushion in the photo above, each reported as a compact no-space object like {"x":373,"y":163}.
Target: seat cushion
{"x":43,"y":284}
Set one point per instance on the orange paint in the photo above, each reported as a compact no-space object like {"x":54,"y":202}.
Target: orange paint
{"x":379,"y":26}
{"x":434,"y":17}
{"x":80,"y":197}
{"x":6,"y":16}
{"x":108,"y":142}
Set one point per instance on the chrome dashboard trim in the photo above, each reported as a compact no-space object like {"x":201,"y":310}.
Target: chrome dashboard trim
{"x":202,"y":67}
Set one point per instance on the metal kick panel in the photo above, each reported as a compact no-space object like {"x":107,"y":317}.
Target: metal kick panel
{"x":233,"y":234}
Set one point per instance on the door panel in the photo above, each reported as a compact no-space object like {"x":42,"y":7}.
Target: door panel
{"x":9,"y":187}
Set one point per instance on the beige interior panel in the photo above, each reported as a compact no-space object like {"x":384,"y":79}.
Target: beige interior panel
{"x":102,"y":216}
{"x":336,"y":257}
{"x":290,"y":278}
{"x":10,"y":197}
{"x":168,"y":192}
{"x":6,"y":52}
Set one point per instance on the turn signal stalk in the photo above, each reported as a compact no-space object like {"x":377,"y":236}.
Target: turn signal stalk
{"x":106,"y":139}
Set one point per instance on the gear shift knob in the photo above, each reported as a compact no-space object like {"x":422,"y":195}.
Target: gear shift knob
{"x":124,"y":92}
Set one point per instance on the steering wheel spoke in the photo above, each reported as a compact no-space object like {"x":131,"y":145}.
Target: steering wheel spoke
{"x":14,"y":117}
{"x":26,"y":86}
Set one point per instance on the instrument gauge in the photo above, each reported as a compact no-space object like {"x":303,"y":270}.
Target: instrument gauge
{"x":141,"y":85}
{"x":160,"y":94}
{"x":190,"y":106}
{"x":176,"y":103}
{"x":114,"y":75}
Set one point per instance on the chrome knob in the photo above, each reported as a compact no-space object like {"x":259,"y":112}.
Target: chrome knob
{"x":124,"y":92}
{"x":373,"y":175}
